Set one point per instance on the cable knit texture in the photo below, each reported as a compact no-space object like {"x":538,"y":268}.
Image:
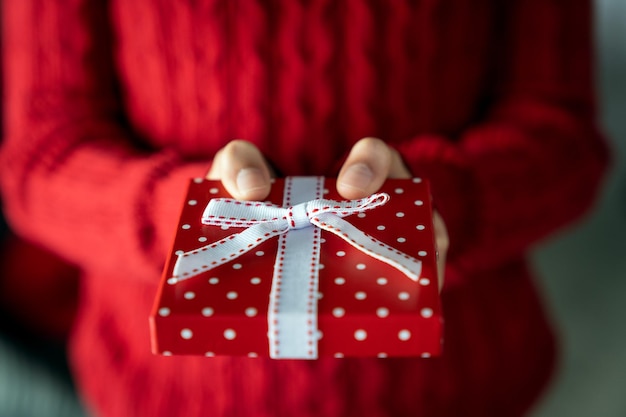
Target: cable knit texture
{"x":112,"y":105}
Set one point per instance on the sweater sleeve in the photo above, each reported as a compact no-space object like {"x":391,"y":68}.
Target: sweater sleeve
{"x":534,"y":162}
{"x":74,"y":177}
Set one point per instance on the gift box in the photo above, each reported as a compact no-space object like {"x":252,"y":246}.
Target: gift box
{"x":301,"y":275}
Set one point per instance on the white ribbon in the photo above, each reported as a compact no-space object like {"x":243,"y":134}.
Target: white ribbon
{"x":264,"y":221}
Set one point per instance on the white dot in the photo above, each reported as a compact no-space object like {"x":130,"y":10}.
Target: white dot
{"x":361,"y":215}
{"x":404,"y":334}
{"x":255,"y":280}
{"x":404,"y":295}
{"x":192,"y":202}
{"x":382,"y":312}
{"x":399,"y":214}
{"x":340,"y":280}
{"x":202,"y":239}
{"x":236,"y":266}
{"x":198,"y":180}
{"x":164,"y":312}
{"x":225,"y":227}
{"x":399,"y":190}
{"x":260,"y":253}
{"x":380,"y":227}
{"x":382,"y":355}
{"x":422,"y":253}
{"x":419,"y":203}
{"x":424,"y":281}
{"x":417,"y":180}
{"x":232,"y":295}
{"x":209,"y":354}
{"x":320,"y":295}
{"x":186,"y":334}
{"x":166,"y":353}
{"x":425,"y":355}
{"x":189,"y":295}
{"x":338,"y":355}
{"x":319,"y":334}
{"x":230,"y":334}
{"x":325,"y":190}
{"x":214,"y":280}
{"x":338,"y":312}
{"x":214,"y":190}
{"x":401,"y":240}
{"x":426,"y":312}
{"x":251,"y":311}
{"x":179,"y":252}
{"x":420,"y":227}
{"x":172,"y":281}
{"x":360,"y":334}
{"x":320,"y":266}
{"x":253,"y":355}
{"x":341,"y":253}
{"x":361,"y":266}
{"x":207,"y":311}
{"x":186,"y":226}
{"x":322,"y":240}
{"x":360,"y":295}
{"x":381,"y":281}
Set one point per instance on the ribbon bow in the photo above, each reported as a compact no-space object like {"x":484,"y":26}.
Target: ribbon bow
{"x":264,"y":221}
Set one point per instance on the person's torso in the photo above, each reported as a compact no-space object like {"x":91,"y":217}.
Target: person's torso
{"x":303,"y":80}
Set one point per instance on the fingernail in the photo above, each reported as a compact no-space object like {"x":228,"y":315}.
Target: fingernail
{"x":357,"y":176}
{"x":250,"y":180}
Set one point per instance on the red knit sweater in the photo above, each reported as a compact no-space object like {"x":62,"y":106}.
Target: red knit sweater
{"x":111,"y":106}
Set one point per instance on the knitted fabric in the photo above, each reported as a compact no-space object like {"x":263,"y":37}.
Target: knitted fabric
{"x":112,"y":106}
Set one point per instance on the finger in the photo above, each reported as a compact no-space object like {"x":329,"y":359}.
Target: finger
{"x":243,"y":171}
{"x":365,"y":169}
{"x":442,"y":241}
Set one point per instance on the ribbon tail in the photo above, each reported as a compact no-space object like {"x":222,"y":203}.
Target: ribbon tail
{"x":410,"y":266}
{"x":197,"y":261}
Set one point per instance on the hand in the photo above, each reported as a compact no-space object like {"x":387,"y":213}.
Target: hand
{"x":243,"y":170}
{"x":370,"y":162}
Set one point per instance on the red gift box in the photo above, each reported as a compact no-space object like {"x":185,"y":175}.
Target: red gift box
{"x":301,"y":275}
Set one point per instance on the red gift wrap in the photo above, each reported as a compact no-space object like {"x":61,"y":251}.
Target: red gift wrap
{"x":351,"y":303}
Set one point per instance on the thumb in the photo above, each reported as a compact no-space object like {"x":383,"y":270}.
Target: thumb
{"x":370,"y":162}
{"x":243,"y":171}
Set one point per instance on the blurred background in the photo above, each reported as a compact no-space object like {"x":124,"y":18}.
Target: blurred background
{"x":582,"y":272}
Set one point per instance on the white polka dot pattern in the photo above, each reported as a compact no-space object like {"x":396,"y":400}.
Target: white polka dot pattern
{"x":360,"y":335}
{"x":404,"y":335}
{"x":365,"y":307}
{"x":338,"y":312}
